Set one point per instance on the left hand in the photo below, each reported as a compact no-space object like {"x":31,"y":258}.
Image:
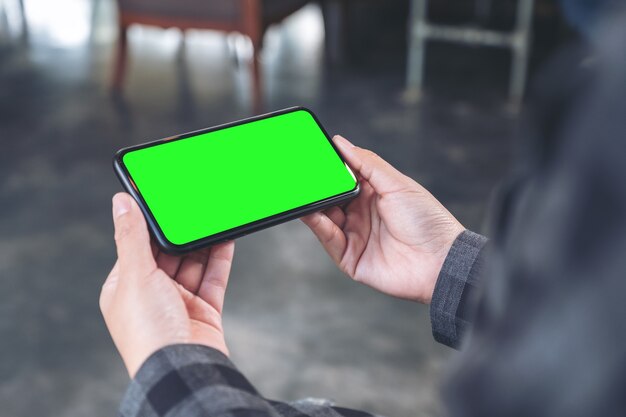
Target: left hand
{"x":151,"y":299}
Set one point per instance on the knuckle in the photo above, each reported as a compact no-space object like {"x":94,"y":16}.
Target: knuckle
{"x":370,"y":154}
{"x":332,"y":236}
{"x":122,"y":231}
{"x":312,"y":220}
{"x":317,"y":220}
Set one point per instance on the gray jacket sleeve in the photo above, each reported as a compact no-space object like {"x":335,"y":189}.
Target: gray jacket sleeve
{"x":455,"y":297}
{"x":194,"y":380}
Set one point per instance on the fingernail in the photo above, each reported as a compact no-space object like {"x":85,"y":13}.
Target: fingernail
{"x":121,"y":205}
{"x":340,"y":140}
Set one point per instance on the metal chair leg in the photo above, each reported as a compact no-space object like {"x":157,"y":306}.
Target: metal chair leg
{"x":520,"y":48}
{"x":417,"y":44}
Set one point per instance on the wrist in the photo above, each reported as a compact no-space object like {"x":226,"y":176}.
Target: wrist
{"x":442,"y":254}
{"x":135,"y":351}
{"x":135,"y":360}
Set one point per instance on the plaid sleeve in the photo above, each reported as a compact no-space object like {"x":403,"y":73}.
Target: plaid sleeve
{"x":454,"y":299}
{"x":195,"y":380}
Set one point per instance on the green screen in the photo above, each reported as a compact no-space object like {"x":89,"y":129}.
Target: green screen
{"x":209,"y":183}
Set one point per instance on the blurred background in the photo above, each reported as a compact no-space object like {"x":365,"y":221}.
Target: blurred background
{"x":436,"y":89}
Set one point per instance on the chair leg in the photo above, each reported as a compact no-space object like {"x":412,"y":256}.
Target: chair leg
{"x":24,"y":22}
{"x":417,"y":44}
{"x":119,"y":68}
{"x":517,"y":81}
{"x":336,"y":21}
{"x":255,"y":72}
{"x":182,"y":46}
{"x":523,"y":26}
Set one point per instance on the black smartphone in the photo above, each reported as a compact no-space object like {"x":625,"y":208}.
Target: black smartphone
{"x":220,"y":183}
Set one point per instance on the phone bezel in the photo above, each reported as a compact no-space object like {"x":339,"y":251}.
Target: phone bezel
{"x":126,"y":180}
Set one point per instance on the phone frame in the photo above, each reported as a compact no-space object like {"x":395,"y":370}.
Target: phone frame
{"x":126,"y":180}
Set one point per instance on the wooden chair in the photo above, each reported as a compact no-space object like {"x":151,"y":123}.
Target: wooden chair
{"x":249,"y":17}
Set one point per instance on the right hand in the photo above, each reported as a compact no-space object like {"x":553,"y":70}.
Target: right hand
{"x":394,"y":236}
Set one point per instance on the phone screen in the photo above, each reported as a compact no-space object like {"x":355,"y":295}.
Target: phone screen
{"x":207,"y":183}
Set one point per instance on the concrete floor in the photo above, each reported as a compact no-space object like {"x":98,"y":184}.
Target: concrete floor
{"x":295,"y":325}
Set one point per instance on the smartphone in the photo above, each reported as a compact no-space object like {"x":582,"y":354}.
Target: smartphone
{"x":205,"y":187}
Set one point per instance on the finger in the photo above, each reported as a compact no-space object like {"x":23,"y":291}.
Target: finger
{"x":358,"y":214}
{"x":215,"y":279}
{"x":328,"y":233}
{"x":155,"y":249}
{"x":191,"y":270}
{"x":198,"y":311}
{"x":169,"y":263}
{"x":383,"y":177}
{"x":132,"y":239}
{"x":337,"y":215}
{"x":206,"y":320}
{"x":108,"y":288}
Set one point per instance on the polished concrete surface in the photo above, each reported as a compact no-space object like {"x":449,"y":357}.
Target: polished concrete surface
{"x":295,"y":325}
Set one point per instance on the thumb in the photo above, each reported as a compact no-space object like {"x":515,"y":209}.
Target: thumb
{"x":132,"y":239}
{"x":383,"y":177}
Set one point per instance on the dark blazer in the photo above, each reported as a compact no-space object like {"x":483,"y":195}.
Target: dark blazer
{"x":549,"y":336}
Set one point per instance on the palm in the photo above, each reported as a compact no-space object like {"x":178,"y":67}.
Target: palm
{"x":197,"y":284}
{"x":394,"y":241}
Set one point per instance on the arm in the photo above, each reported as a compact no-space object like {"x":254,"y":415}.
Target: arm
{"x":196,"y":380}
{"x":165,"y":316}
{"x":189,"y":380}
